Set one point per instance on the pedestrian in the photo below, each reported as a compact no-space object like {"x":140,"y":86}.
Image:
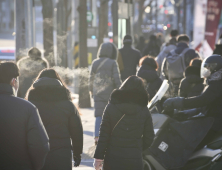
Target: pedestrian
{"x":148,"y":72}
{"x":24,"y":142}
{"x":141,"y":44}
{"x":176,"y":62}
{"x":128,"y":58}
{"x":126,"y":128}
{"x":192,"y":85}
{"x":104,"y":78}
{"x":60,"y":118}
{"x":30,"y":67}
{"x":218,"y":49}
{"x":166,"y":48}
{"x":152,"y":48}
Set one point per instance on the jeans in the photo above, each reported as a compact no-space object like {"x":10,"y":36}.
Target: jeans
{"x":97,"y":126}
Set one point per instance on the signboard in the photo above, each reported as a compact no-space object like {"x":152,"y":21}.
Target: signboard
{"x":89,"y":16}
{"x":212,"y":22}
{"x":92,"y":42}
{"x":199,"y":23}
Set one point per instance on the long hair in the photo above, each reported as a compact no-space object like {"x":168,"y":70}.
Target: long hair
{"x":49,"y":73}
{"x":133,"y":83}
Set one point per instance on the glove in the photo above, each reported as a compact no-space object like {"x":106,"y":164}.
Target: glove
{"x":173,"y":103}
{"x":77,"y":160}
{"x":98,"y":164}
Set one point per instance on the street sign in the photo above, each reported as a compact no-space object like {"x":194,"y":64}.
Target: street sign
{"x":89,"y":16}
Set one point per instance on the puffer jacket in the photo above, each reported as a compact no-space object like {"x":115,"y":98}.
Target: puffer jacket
{"x":192,"y":85}
{"x":122,"y":146}
{"x":104,"y":78}
{"x":61,"y":120}
{"x":24,"y":142}
{"x":152,"y":79}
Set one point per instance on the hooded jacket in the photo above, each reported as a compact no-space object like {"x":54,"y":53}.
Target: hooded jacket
{"x":24,"y":142}
{"x":192,"y":85}
{"x":122,"y":144}
{"x":104,"y":77}
{"x":188,"y":56}
{"x":130,"y":60}
{"x":152,"y":79}
{"x":29,"y":68}
{"x":61,"y":120}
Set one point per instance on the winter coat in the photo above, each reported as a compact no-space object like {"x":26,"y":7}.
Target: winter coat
{"x":192,"y":85}
{"x":130,"y":59}
{"x":61,"y":120}
{"x":29,"y":69}
{"x":141,"y":44}
{"x":171,"y":45}
{"x":122,"y":147}
{"x":24,"y":142}
{"x":218,"y":49}
{"x":104,"y":78}
{"x":152,"y":49}
{"x":152,"y":79}
{"x":188,"y":56}
{"x":210,"y":101}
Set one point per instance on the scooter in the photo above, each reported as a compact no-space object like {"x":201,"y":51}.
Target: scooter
{"x":207,"y":158}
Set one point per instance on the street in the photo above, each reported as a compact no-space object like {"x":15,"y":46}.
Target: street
{"x":88,"y":122}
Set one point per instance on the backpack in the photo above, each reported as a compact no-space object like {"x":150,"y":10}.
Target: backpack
{"x":176,"y":64}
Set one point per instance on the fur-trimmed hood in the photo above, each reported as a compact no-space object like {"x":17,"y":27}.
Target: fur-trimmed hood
{"x":49,"y":90}
{"x":127,"y":99}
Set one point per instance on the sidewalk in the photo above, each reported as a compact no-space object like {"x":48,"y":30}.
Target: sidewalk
{"x":88,"y":121}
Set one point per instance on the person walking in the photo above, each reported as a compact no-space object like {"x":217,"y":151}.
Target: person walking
{"x":60,"y":118}
{"x":141,"y":44}
{"x":176,"y":62}
{"x":152,"y":48}
{"x":128,"y":58}
{"x":126,"y":128}
{"x":192,"y":85}
{"x":30,"y":67}
{"x":148,"y":72}
{"x":104,"y":78}
{"x":24,"y":142}
{"x":166,"y":48}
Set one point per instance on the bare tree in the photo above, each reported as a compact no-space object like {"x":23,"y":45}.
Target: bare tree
{"x":20,"y":29}
{"x":47,"y":13}
{"x":84,"y":97}
{"x":103,"y":21}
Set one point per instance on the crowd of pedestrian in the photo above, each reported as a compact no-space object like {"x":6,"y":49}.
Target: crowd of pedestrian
{"x":43,"y":130}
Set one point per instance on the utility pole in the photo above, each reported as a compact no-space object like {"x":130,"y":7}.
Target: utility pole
{"x":178,"y":17}
{"x":103,"y":21}
{"x":20,"y":29}
{"x":115,"y":21}
{"x":47,"y":13}
{"x":184,"y":16}
{"x":156,"y":15}
{"x":84,"y":97}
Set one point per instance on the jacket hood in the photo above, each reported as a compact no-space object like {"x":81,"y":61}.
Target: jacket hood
{"x":148,"y":73}
{"x":48,"y":89}
{"x":129,"y":101}
{"x":107,"y":50}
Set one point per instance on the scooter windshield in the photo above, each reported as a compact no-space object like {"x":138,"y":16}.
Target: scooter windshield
{"x":161,"y":92}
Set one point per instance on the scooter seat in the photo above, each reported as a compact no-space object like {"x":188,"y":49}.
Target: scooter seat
{"x":216,"y":143}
